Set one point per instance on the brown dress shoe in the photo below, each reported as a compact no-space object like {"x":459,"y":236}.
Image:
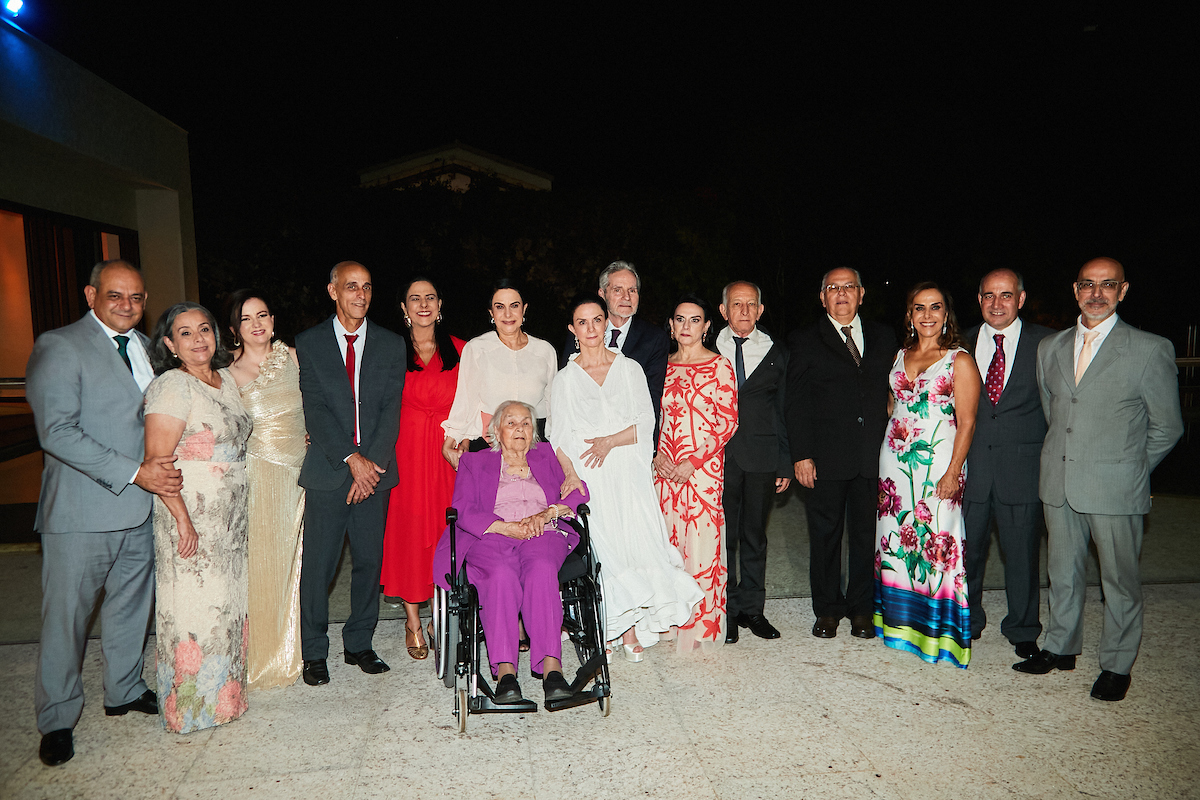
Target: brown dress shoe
{"x":862,"y":626}
{"x":825,"y":627}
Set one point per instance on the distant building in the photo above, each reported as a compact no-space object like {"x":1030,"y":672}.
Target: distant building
{"x":456,"y":166}
{"x":86,"y":173}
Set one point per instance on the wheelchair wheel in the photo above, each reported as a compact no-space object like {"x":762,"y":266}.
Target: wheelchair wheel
{"x":460,"y":709}
{"x":451,"y":637}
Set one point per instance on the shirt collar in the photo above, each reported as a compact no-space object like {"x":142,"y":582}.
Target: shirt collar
{"x":1104,"y":328}
{"x":1013,"y":330}
{"x":855,"y":324}
{"x":109,"y":331}
{"x":340,"y":329}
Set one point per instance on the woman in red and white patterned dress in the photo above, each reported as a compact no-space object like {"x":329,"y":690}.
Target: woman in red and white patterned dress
{"x":699,"y":415}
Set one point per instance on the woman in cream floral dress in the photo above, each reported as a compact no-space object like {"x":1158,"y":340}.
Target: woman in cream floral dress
{"x":194,"y":410}
{"x":920,"y":590}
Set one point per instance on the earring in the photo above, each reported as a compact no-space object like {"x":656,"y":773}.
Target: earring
{"x":943,"y":329}
{"x":492,"y":320}
{"x":407,"y":321}
{"x":578,"y":349}
{"x":439,"y":319}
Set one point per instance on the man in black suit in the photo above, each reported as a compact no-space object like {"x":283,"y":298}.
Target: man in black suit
{"x":1002,"y":477}
{"x":837,"y":415}
{"x":644,"y":342}
{"x":351,"y":376}
{"x":757,"y":459}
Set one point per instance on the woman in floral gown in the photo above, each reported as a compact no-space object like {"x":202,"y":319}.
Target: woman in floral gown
{"x":699,"y":416}
{"x":920,"y":589}
{"x":194,"y":411}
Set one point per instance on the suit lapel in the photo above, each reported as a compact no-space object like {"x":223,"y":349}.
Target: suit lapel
{"x":1110,"y":350}
{"x":107,"y":356}
{"x":1064,"y":353}
{"x":331,"y":353}
{"x":765,"y":367}
{"x":833,"y":340}
{"x":632,"y":336}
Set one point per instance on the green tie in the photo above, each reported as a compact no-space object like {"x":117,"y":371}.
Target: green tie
{"x":122,"y":342}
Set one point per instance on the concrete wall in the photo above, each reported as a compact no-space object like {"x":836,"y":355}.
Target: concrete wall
{"x":74,"y":144}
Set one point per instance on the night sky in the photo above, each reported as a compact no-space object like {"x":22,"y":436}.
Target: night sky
{"x":908,"y":143}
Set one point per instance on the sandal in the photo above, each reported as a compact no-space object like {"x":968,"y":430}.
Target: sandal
{"x":418,"y":652}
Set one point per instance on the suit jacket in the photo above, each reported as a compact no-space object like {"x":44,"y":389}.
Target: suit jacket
{"x":648,"y":345}
{"x":87,"y":409}
{"x":475,"y":490}
{"x":760,"y":443}
{"x":1108,"y":433}
{"x":1008,"y":439}
{"x":329,"y":404}
{"x":837,"y":411}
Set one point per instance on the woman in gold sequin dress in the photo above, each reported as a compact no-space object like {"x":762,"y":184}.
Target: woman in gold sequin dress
{"x":269,"y":380}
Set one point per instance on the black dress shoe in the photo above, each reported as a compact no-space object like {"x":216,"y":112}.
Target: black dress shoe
{"x":758,"y":625}
{"x":1027,"y":649}
{"x":316,"y":672}
{"x":147,"y":704}
{"x":862,"y":626}
{"x":367,"y":661}
{"x":555,"y":686}
{"x":1110,"y":686}
{"x":1045,"y":661}
{"x":509,"y":691}
{"x":58,"y":747}
{"x":731,"y":632}
{"x":825,"y":627}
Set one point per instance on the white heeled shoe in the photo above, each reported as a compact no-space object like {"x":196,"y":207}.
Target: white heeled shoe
{"x":632,"y":655}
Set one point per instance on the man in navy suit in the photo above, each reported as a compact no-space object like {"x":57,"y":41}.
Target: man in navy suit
{"x":758,"y":461}
{"x":837,"y":414}
{"x":1002,"y":474}
{"x":636,"y":338}
{"x":351,"y":377}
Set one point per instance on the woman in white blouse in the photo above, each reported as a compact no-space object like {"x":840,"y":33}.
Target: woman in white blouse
{"x":504,"y":364}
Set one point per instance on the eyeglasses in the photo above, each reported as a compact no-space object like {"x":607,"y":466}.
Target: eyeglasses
{"x":1086,"y":287}
{"x":833,"y":288}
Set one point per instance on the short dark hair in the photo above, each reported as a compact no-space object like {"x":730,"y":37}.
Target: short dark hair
{"x":505,"y":283}
{"x":952,"y":337}
{"x":694,"y":299}
{"x":94,"y":278}
{"x":163,"y":359}
{"x":584,"y":299}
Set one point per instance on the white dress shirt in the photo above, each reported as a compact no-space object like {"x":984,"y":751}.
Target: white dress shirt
{"x":490,"y":373}
{"x":855,"y":332}
{"x":985,"y":348}
{"x":359,"y":343}
{"x":754,"y":349}
{"x":1104,"y":328}
{"x":143,"y":373}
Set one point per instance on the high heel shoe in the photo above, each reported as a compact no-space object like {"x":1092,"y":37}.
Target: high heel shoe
{"x":633,"y":655}
{"x":419,"y":652}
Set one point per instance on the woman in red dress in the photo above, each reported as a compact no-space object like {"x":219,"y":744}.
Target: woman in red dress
{"x":699,"y":417}
{"x":417,"y":506}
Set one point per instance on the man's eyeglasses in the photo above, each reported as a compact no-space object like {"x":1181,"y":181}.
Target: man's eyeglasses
{"x":1086,"y":287}
{"x":833,"y":288}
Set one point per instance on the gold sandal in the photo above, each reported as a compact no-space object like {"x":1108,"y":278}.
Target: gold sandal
{"x":417,"y":652}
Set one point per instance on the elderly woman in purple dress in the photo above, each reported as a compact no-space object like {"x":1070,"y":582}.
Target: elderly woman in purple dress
{"x":513,"y":539}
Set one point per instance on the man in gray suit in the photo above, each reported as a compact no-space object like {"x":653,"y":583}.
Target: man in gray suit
{"x":351,"y":377}
{"x":84,"y":383}
{"x":1002,"y":482}
{"x":1110,"y":393}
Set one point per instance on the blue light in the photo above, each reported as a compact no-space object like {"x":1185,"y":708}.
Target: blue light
{"x":14,"y":6}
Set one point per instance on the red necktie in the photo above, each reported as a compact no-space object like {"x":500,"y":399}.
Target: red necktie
{"x":995,"y":374}
{"x":351,"y":338}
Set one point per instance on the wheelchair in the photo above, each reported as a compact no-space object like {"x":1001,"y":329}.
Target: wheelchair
{"x":458,"y":634}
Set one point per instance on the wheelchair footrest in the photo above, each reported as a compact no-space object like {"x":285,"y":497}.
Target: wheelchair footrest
{"x":485,"y":702}
{"x":592,"y":669}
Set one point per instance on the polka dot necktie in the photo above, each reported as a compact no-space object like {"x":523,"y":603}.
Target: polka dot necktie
{"x":995,"y":374}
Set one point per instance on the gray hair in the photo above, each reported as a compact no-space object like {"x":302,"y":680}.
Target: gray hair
{"x":615,"y":267}
{"x":94,"y":278}
{"x":728,"y":286}
{"x":493,"y":429}
{"x":825,"y":277}
{"x":1013,"y":272}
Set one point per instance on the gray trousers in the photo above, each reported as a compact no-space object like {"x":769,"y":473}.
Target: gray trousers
{"x":1020,"y":542}
{"x":75,"y":568}
{"x":1118,"y":541}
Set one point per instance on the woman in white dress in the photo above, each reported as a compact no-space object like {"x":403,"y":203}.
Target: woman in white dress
{"x":603,"y":422}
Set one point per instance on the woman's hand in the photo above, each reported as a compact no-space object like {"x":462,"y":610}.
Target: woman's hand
{"x":593,"y":457}
{"x":452,"y":452}
{"x":189,"y":542}
{"x":571,"y":484}
{"x":683,"y":471}
{"x":947,"y":485}
{"x":664,"y":467}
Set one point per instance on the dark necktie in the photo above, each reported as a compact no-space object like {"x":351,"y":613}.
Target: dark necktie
{"x":612,"y":338}
{"x":994,"y":383}
{"x":851,"y":346}
{"x":122,"y":345}
{"x":739,"y":363}
{"x":351,"y":338}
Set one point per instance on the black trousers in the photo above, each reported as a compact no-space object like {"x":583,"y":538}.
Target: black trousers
{"x":747,"y":502}
{"x":328,"y":520}
{"x":834,"y":506}
{"x":1020,"y":543}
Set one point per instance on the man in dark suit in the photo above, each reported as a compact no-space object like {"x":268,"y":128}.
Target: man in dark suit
{"x":1002,"y":474}
{"x":837,"y":415}
{"x":84,"y":383}
{"x":1110,"y":393}
{"x":351,"y":376}
{"x":758,"y":461}
{"x":633,"y":336}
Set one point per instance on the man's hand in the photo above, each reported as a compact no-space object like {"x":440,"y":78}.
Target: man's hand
{"x":158,"y":476}
{"x":781,"y":485}
{"x":806,"y":473}
{"x":365,"y":473}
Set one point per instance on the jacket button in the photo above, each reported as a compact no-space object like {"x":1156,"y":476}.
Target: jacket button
{"x":1074,"y":399}
{"x":1068,"y":430}
{"x":860,"y":420}
{"x":993,"y":416}
{"x":989,"y":447}
{"x":1064,"y":458}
